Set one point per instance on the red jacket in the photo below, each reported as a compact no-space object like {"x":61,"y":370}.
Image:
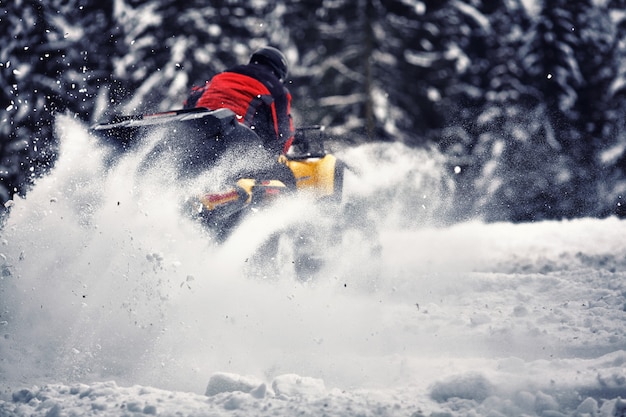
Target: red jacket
{"x":257,"y":97}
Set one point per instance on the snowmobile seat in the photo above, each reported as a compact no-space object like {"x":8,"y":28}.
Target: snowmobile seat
{"x":195,"y":137}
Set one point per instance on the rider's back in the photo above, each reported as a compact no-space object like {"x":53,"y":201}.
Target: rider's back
{"x":255,"y":92}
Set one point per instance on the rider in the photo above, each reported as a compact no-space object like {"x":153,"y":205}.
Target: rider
{"x":256,"y":94}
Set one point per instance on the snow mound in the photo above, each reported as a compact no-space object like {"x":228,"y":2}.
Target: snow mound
{"x":232,"y":394}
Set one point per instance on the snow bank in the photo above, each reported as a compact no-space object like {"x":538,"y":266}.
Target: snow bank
{"x":469,"y":394}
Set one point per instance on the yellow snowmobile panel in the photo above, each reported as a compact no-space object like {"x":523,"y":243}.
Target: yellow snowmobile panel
{"x":314,"y":174}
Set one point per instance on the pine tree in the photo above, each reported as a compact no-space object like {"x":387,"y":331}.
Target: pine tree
{"x":564,"y":63}
{"x":330,"y":82}
{"x":51,"y":63}
{"x":482,"y":101}
{"x":172,"y":46}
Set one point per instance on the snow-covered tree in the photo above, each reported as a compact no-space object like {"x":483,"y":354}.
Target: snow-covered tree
{"x":171,"y":45}
{"x":330,"y":82}
{"x":51,"y":62}
{"x":560,"y":62}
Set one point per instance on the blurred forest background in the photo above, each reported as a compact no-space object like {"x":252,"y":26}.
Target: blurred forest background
{"x":525,"y":98}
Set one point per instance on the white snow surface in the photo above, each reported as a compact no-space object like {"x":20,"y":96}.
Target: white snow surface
{"x":112,"y":303}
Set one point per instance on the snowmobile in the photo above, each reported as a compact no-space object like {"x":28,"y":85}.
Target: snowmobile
{"x":198,"y":139}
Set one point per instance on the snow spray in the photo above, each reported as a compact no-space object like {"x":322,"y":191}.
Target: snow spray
{"x":104,"y":277}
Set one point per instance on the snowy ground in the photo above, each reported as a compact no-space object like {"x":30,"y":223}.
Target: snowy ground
{"x":112,"y":304}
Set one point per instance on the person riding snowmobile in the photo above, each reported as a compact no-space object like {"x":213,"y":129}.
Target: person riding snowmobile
{"x":255,"y":92}
{"x":240,"y":115}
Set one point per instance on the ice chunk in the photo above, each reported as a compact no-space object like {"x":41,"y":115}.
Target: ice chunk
{"x":588,"y":407}
{"x":227,"y":382}
{"x":471,"y":386}
{"x":292,"y":385}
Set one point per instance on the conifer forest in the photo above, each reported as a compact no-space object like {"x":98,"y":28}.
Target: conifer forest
{"x":525,"y":99}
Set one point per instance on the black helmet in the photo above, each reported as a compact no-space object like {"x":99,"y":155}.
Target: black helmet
{"x":273,"y":58}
